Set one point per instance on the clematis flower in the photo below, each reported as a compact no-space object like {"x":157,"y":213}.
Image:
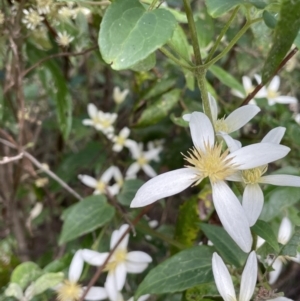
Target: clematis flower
{"x":121,"y":140}
{"x":119,"y":96}
{"x":248,"y":281}
{"x":70,"y":289}
{"x":208,"y":160}
{"x":234,"y":121}
{"x":101,"y":185}
{"x":32,"y":18}
{"x":253,"y":198}
{"x":121,"y":262}
{"x":142,"y":160}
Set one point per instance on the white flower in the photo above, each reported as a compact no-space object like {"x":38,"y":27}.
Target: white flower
{"x":64,"y":39}
{"x":101,"y":121}
{"x":208,"y":160}
{"x":101,"y":185}
{"x":121,"y":262}
{"x":253,"y":198}
{"x":234,"y":121}
{"x":142,"y":160}
{"x":43,"y":6}
{"x":272,"y":94}
{"x":121,"y":140}
{"x":66,"y":12}
{"x":32,"y":18}
{"x":70,"y":289}
{"x":155,"y":144}
{"x":119,"y":96}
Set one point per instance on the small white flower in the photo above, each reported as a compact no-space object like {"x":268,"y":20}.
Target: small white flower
{"x":119,"y":96}
{"x":101,"y":185}
{"x":207,"y":159}
{"x":64,"y":39}
{"x":234,"y":121}
{"x":155,"y":144}
{"x":121,"y":140}
{"x":31,"y":18}
{"x":66,"y":12}
{"x":43,"y":6}
{"x":121,"y":262}
{"x":142,"y":160}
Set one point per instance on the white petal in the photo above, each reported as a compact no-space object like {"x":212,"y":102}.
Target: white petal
{"x":163,"y":185}
{"x":237,"y":93}
{"x":120,"y":275}
{"x":76,"y":267}
{"x":239,"y":117}
{"x":116,"y":235}
{"x":236,"y":177}
{"x":132,"y":170}
{"x":108,"y":174}
{"x":281,"y":180}
{"x":96,"y":293}
{"x":111,"y":287}
{"x":152,"y":153}
{"x":222,"y":278}
{"x":143,"y":298}
{"x":187,"y":117}
{"x":285,"y":231}
{"x":202,"y":131}
{"x":92,"y":110}
{"x":88,"y":181}
{"x":249,"y":278}
{"x":125,"y":132}
{"x":87,"y":122}
{"x":258,"y":154}
{"x":275,"y":135}
{"x":285,"y":99}
{"x":277,"y":266}
{"x":274,"y":84}
{"x":139,"y":257}
{"x":296,"y":259}
{"x":260,"y":241}
{"x":247,"y":83}
{"x":232,"y":215}
{"x":113,"y":189}
{"x":232,"y":144}
{"x":134,"y":149}
{"x":117,"y":147}
{"x":149,"y":171}
{"x":213,"y":107}
{"x":253,"y":202}
{"x":93,"y":257}
{"x":135,"y":268}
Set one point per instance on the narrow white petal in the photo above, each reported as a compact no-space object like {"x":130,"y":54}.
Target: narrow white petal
{"x":163,"y":185}
{"x":135,"y":268}
{"x":285,"y":99}
{"x":253,"y":202}
{"x":213,"y":107}
{"x":222,"y":278}
{"x":76,"y":267}
{"x":143,"y":298}
{"x":120,"y":275}
{"x":152,"y":153}
{"x":108,"y":174}
{"x":124,"y":243}
{"x":260,"y":241}
{"x":132,"y":170}
{"x":249,"y":278}
{"x":239,"y":117}
{"x":125,"y":132}
{"x":187,"y":117}
{"x":277,"y":266}
{"x":274,"y":84}
{"x":88,"y":122}
{"x":118,"y":175}
{"x":114,"y":238}
{"x":281,"y":180}
{"x":247,"y":83}
{"x":232,"y":215}
{"x":237,"y":93}
{"x":96,"y":293}
{"x":236,"y":177}
{"x":139,"y":257}
{"x":258,"y":154}
{"x":88,"y":181}
{"x":117,"y":148}
{"x":93,"y":257}
{"x":113,"y":189}
{"x":111,"y":287}
{"x":297,"y":258}
{"x":232,"y":144}
{"x":285,"y":231}
{"x":202,"y":130}
{"x":134,"y":149}
{"x":149,"y":171}
{"x":92,"y":110}
{"x":275,"y":135}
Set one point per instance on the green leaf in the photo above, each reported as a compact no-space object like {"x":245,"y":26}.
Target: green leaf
{"x":224,"y":244}
{"x":46,"y":281}
{"x":198,"y":292}
{"x":160,"y":87}
{"x":265,"y":231}
{"x":129,"y":33}
{"x":226,"y":78}
{"x":87,"y":215}
{"x":159,"y":109}
{"x":128,"y":191}
{"x":290,"y":249}
{"x":145,"y":64}
{"x":286,"y":31}
{"x":205,"y":30}
{"x":178,"y":273}
{"x":25,"y":273}
{"x":277,"y":200}
{"x":269,"y":19}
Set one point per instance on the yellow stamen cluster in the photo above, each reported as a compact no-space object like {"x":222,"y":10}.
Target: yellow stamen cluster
{"x":142,"y":161}
{"x":69,"y":291}
{"x":252,"y":176}
{"x":118,"y":257}
{"x":101,"y":186}
{"x":211,"y":162}
{"x":120,"y":140}
{"x":221,"y":126}
{"x":272,"y":94}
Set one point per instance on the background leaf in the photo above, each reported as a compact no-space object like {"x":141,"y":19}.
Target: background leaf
{"x":128,"y":191}
{"x":290,"y":249}
{"x":47,"y":281}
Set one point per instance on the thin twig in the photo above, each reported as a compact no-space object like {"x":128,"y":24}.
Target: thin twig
{"x":6,"y":160}
{"x":259,"y":86}
{"x":101,"y":267}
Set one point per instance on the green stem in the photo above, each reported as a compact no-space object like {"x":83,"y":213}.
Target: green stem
{"x":222,"y":33}
{"x":175,"y":59}
{"x":193,"y":31}
{"x":152,"y":5}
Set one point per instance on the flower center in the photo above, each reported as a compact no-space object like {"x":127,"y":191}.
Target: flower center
{"x":253,"y":175}
{"x":69,"y":291}
{"x":101,"y":186}
{"x":220,"y":125}
{"x":272,"y":94}
{"x":106,"y":123}
{"x":142,"y":161}
{"x":211,"y":162}
{"x":118,"y":257}
{"x":120,"y":140}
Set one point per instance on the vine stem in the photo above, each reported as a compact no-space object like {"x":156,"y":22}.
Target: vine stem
{"x":168,"y":54}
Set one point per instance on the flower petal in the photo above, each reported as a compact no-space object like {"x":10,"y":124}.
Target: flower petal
{"x":132,"y":170}
{"x":239,"y":117}
{"x":125,"y":132}
{"x":275,"y":135}
{"x":236,"y":177}
{"x":163,"y":185}
{"x":76,"y":267}
{"x":117,"y":234}
{"x":149,"y":171}
{"x":138,"y":256}
{"x":249,"y":278}
{"x":258,"y":154}
{"x":92,"y":110}
{"x":111,"y":287}
{"x":108,"y":174}
{"x":88,"y":181}
{"x":135,"y":268}
{"x":277,"y":266}
{"x":96,"y":293}
{"x":87,"y":122}
{"x":274,"y":84}
{"x":202,"y":131}
{"x":281,"y":180}
{"x":120,"y":275}
{"x":93,"y":257}
{"x":187,"y":117}
{"x":213,"y":107}
{"x":253,"y":202}
{"x":232,"y":144}
{"x":285,"y":99}
{"x":232,"y":215}
{"x":222,"y":278}
{"x":285,"y":231}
